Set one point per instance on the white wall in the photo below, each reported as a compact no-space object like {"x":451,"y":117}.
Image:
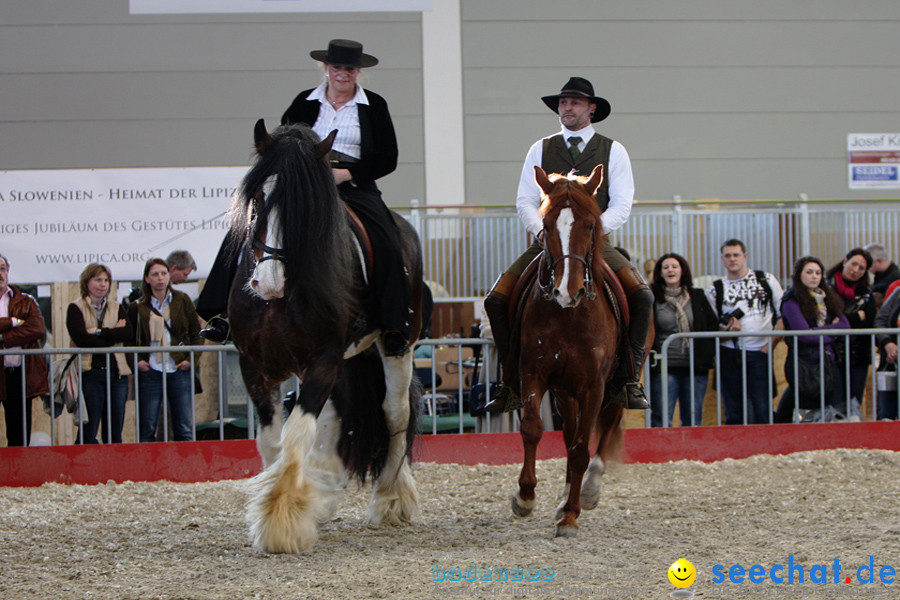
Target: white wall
{"x":712,"y":98}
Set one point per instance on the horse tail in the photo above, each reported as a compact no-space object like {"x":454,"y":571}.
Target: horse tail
{"x":358,"y":397}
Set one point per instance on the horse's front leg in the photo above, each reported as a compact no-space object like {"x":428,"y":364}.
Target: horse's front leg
{"x":265,"y":396}
{"x":568,"y":410}
{"x":286,"y":506}
{"x":531,"y":428}
{"x":577,"y":457}
{"x":395,"y":499}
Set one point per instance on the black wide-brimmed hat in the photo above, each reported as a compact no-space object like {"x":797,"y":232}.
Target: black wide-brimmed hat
{"x":344,"y":53}
{"x":579,"y":87}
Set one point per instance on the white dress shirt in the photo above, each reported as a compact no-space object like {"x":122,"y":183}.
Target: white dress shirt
{"x":621,"y":184}
{"x":345,"y":119}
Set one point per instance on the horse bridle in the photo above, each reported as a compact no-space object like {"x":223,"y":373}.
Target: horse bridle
{"x":547,"y":292}
{"x":268,"y":253}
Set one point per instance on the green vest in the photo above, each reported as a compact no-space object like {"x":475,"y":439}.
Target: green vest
{"x":557,"y":159}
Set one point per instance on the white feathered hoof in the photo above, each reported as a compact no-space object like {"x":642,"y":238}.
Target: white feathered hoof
{"x":398,"y":505}
{"x":284,"y":507}
{"x":522,"y":508}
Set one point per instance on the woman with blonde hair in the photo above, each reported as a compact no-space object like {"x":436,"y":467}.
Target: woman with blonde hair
{"x":96,"y":321}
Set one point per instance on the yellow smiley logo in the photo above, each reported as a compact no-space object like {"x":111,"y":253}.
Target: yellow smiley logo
{"x":682,"y":573}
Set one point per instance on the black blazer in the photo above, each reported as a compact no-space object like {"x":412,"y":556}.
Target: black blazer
{"x":379,"y":142}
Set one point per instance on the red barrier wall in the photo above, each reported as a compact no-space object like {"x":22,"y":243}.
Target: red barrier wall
{"x":237,"y":459}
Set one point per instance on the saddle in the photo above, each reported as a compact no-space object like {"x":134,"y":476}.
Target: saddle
{"x":612,"y":287}
{"x":362,"y":237}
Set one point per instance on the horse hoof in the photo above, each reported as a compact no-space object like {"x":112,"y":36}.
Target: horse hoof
{"x":589,"y":503}
{"x":521,"y":508}
{"x":567,"y":531}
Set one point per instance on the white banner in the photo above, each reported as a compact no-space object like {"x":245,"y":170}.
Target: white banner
{"x":56,"y":222}
{"x":873,"y":161}
{"x":163,"y":7}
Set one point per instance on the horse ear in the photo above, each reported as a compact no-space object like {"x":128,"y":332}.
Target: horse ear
{"x":540,"y":176}
{"x":324,"y":147}
{"x":595,"y":179}
{"x":261,"y":136}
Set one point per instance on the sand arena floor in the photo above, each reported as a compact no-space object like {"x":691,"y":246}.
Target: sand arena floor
{"x":166,"y":540}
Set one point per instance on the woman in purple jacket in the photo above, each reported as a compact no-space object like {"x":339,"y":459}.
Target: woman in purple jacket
{"x":810,"y":305}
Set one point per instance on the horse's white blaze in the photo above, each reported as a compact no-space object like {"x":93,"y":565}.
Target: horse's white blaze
{"x":564,"y":223}
{"x":395,"y":499}
{"x":268,"y":276}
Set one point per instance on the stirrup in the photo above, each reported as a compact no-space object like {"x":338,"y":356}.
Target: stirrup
{"x":634,"y":396}
{"x":506,"y":400}
{"x":218,"y":330}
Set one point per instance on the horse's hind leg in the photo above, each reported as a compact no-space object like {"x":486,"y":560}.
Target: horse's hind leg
{"x":395,"y":499}
{"x":531,"y":428}
{"x":608,"y":448}
{"x":325,"y":466}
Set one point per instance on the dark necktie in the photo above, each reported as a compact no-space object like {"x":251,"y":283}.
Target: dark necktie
{"x":573,"y":147}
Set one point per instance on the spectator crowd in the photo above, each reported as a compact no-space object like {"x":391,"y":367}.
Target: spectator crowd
{"x":826,"y":374}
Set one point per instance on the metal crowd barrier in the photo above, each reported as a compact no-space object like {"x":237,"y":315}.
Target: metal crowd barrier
{"x":132,"y":355}
{"x":788,"y":335}
{"x":445,"y":407}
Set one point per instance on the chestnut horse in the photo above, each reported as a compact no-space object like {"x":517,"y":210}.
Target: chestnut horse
{"x":569,"y":336}
{"x":298,"y":306}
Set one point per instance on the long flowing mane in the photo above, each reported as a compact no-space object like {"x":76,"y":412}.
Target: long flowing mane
{"x":294,"y":307}
{"x":290,"y":175}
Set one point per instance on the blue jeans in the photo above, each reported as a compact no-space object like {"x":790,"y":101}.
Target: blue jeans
{"x":887,"y":405}
{"x":93,"y":384}
{"x":679,"y":388}
{"x":731,"y":373}
{"x":178,"y":396}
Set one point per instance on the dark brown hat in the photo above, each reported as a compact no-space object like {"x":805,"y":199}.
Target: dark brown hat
{"x":579,"y":87}
{"x":344,"y":53}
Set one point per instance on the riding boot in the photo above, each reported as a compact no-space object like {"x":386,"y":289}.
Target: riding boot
{"x":640,"y":306}
{"x":496,"y":305}
{"x":217,"y":329}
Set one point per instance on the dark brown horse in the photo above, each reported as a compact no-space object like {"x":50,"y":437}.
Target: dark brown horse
{"x":569,"y":336}
{"x":298,"y":307}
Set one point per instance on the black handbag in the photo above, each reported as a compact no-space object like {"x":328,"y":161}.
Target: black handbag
{"x":809,"y":379}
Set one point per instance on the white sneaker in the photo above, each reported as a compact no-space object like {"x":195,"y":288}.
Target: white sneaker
{"x":855,"y":412}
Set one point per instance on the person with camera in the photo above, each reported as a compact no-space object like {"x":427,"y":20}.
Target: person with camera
{"x":850,"y":280}
{"x":745,"y":300}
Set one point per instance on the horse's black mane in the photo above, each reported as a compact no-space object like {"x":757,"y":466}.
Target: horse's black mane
{"x":315,"y":237}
